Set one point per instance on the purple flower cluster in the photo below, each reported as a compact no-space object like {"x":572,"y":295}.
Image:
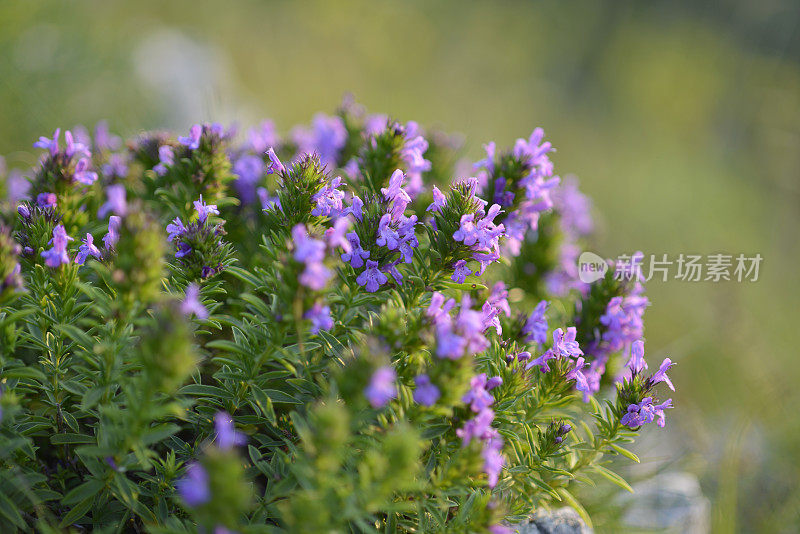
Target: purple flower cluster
{"x":381,"y":388}
{"x":329,"y":199}
{"x":464,"y":333}
{"x":326,"y":138}
{"x":199,"y":241}
{"x":426,"y":393}
{"x":57,"y":255}
{"x":535,"y":328}
{"x":413,"y":155}
{"x":310,"y":252}
{"x":526,"y":195}
{"x":74,"y":160}
{"x":623,"y":319}
{"x":480,"y":427}
{"x":565,"y":347}
{"x":320,"y":317}
{"x":395,"y":233}
{"x":646,"y":410}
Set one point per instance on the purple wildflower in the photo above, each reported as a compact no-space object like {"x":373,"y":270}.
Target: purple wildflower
{"x":249,"y":170}
{"x":381,"y":388}
{"x":112,"y":237}
{"x":479,"y":427}
{"x":328,"y":199}
{"x":439,"y":201}
{"x":661,"y":374}
{"x":320,"y":317}
{"x":262,"y":137}
{"x":565,"y":344}
{"x":116,"y":201}
{"x":356,"y":255}
{"x":57,"y":255}
{"x":275,"y":163}
{"x":87,"y":249}
{"x":192,"y":142}
{"x":193,"y":487}
{"x":166,"y":158}
{"x":387,"y":236}
{"x":371,"y":278}
{"x":176,"y":229}
{"x":227,"y":435}
{"x":46,"y":200}
{"x":460,"y":272}
{"x":541,"y":361}
{"x":191,"y":302}
{"x":535,"y":328}
{"x":326,"y":138}
{"x":49,"y":144}
{"x":478,"y":396}
{"x":336,"y":236}
{"x":425,"y":393}
{"x":204,"y":210}
{"x":83,"y":174}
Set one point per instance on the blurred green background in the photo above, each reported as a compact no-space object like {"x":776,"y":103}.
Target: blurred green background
{"x":681,"y":119}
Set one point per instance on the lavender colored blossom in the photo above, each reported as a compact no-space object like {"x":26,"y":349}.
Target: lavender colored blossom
{"x":576,"y":374}
{"x":623,"y":319}
{"x":116,"y":202}
{"x":564,"y":344}
{"x":661,"y":374}
{"x":477,"y":397}
{"x":356,"y":207}
{"x":371,"y":278}
{"x":395,"y":191}
{"x":17,"y":186}
{"x":357,"y":254}
{"x":104,"y":139}
{"x":194,"y":486}
{"x":542,"y":360}
{"x":49,"y":144}
{"x":166,"y":158}
{"x":57,"y":255}
{"x":192,"y":142}
{"x":328,"y":199}
{"x":227,"y":435}
{"x":191,"y":303}
{"x":439,"y":201}
{"x":381,"y":388}
{"x":311,"y":252}
{"x":175,"y":229}
{"x":479,"y":427}
{"x":337,"y":235}
{"x":645,"y":412}
{"x":262,"y":137}
{"x":326,"y":138}
{"x":87,"y":249}
{"x":275,"y":163}
{"x":535,"y":329}
{"x":320,"y":317}
{"x":426,"y":393}
{"x":24,"y":211}
{"x":46,"y":200}
{"x":637,"y":363}
{"x":387,"y":236}
{"x":249,"y":170}
{"x":439,"y":308}
{"x":112,"y":237}
{"x":493,"y":459}
{"x":498,"y":298}
{"x":460,"y":272}
{"x":204,"y":210}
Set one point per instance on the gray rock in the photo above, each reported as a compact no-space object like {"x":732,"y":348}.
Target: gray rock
{"x":560,"y":521}
{"x":670,"y":502}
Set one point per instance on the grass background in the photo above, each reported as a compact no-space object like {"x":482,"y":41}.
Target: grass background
{"x":682,"y":120}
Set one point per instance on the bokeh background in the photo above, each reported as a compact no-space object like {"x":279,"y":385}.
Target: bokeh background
{"x":681,"y":119}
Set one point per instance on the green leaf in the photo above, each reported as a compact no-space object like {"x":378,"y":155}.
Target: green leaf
{"x":10,"y":511}
{"x":625,"y":452}
{"x":202,"y":390}
{"x":613,"y":477}
{"x":67,"y":438}
{"x":572,"y":501}
{"x":77,"y":512}
{"x":88,"y":489}
{"x":24,"y":372}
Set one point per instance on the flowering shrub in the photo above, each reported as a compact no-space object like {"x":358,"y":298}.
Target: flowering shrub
{"x":319,"y":332}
